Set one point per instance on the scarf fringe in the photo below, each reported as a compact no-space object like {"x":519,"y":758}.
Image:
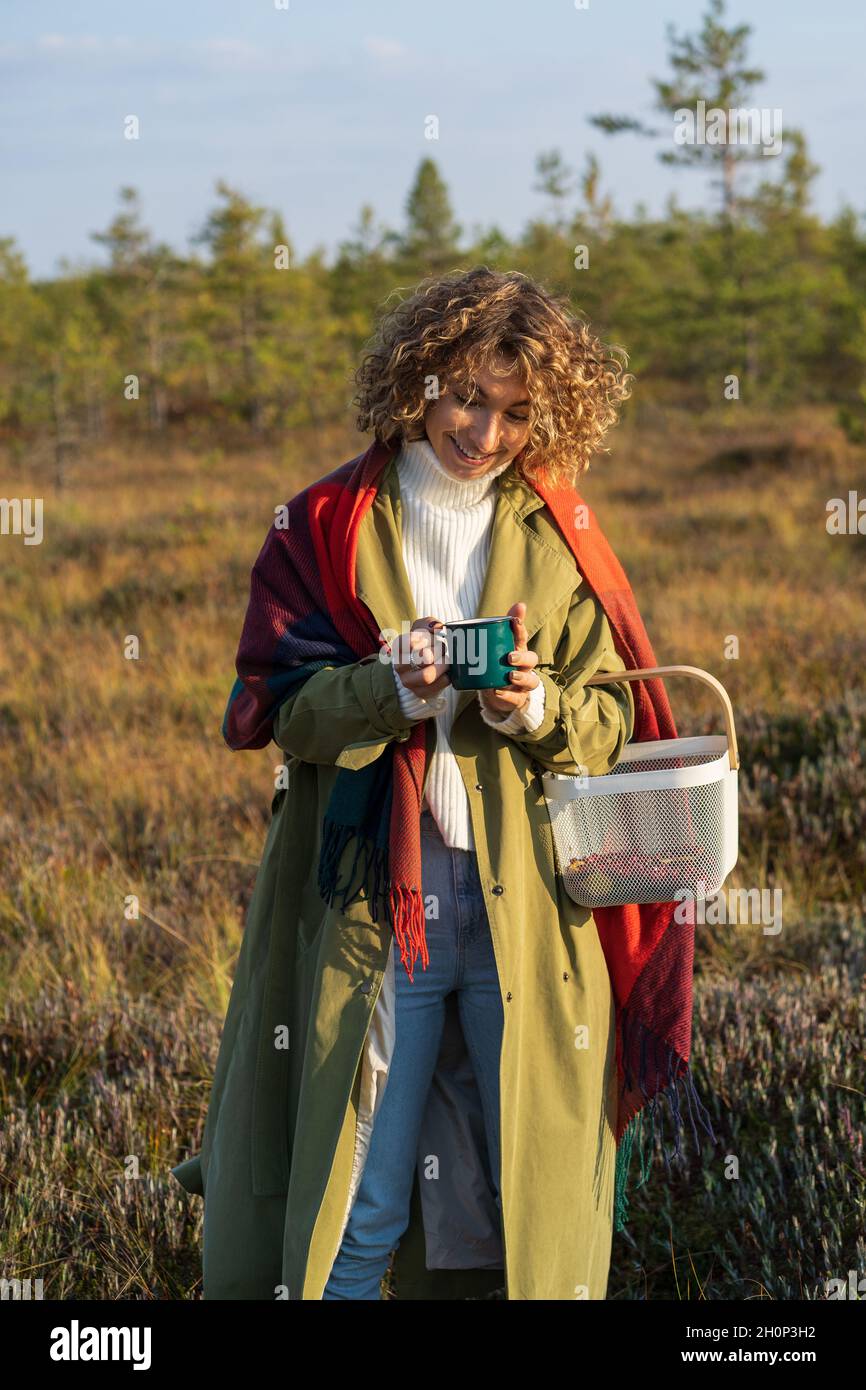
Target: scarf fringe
{"x":373,"y":868}
{"x":408,"y":920}
{"x":400,"y":906}
{"x":665,"y":1060}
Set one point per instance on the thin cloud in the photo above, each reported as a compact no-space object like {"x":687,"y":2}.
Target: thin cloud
{"x":81,"y":43}
{"x":387,"y":49}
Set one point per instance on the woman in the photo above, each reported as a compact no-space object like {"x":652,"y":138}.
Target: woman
{"x":429,"y":1048}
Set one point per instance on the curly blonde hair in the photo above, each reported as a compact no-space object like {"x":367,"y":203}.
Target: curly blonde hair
{"x":451,"y":325}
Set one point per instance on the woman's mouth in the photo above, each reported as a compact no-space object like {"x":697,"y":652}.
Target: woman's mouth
{"x":469,"y":458}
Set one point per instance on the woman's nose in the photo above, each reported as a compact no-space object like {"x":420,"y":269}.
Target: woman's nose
{"x":486,"y":434}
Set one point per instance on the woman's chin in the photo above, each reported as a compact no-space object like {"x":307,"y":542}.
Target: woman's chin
{"x":462,"y":467}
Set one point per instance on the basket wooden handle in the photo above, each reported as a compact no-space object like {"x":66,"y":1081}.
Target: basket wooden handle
{"x":605,"y":677}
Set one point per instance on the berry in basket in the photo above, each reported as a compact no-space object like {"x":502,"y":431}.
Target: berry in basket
{"x":598,"y":875}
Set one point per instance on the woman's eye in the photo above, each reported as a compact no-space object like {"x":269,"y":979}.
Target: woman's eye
{"x":464,"y":400}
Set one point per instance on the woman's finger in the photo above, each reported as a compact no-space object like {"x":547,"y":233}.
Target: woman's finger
{"x":427,"y":624}
{"x":522,"y":680}
{"x":517,"y":612}
{"x":426,"y":680}
{"x":419,"y":647}
{"x":419,"y":660}
{"x":523,"y":657}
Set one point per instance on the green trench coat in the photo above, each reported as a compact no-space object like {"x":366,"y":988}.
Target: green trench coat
{"x":288,"y":1126}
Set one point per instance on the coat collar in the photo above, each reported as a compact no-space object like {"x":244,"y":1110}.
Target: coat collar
{"x":522,"y":565}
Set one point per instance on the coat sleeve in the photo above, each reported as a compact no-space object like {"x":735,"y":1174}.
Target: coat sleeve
{"x":584,"y":726}
{"x":343,"y":715}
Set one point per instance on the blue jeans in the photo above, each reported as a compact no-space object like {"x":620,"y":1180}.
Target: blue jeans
{"x":461,"y":958}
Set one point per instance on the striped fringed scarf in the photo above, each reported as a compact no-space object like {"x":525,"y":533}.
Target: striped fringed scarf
{"x":304,"y":614}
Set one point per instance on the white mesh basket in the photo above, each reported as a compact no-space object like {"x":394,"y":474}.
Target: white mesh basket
{"x":660,"y":824}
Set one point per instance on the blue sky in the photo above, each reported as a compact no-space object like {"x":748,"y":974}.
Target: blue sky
{"x":321,"y":107}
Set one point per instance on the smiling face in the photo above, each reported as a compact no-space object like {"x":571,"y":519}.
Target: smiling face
{"x":475,"y":430}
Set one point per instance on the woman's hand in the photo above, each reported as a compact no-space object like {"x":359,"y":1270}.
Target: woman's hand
{"x":415,"y":659}
{"x":514,"y":696}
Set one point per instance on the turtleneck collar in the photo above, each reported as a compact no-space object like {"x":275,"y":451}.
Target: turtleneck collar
{"x":421,"y":472}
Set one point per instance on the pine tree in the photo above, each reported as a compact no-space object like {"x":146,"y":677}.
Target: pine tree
{"x":431,"y":242}
{"x":711,"y":67}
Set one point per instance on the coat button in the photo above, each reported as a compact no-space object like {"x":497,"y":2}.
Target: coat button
{"x":478,"y":787}
{"x":497,"y":889}
{"x":508,"y":996}
{"x":367,"y":987}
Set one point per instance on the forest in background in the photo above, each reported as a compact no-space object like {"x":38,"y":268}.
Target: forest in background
{"x":241,"y":338}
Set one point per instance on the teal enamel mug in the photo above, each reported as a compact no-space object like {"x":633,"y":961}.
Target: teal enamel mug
{"x":477,"y":651}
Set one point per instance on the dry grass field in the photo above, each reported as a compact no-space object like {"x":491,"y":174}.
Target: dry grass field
{"x":117,"y":782}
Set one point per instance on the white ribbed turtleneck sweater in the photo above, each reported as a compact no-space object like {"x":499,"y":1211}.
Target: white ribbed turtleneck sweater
{"x":446,"y":525}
